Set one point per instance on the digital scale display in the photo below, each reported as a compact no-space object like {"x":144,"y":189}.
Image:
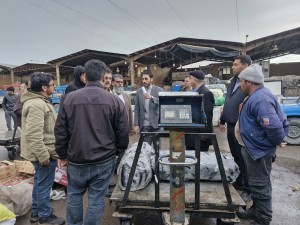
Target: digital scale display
{"x":176,"y":114}
{"x":169,"y":114}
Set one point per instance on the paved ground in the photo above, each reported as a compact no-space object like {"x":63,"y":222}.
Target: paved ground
{"x":285,"y":174}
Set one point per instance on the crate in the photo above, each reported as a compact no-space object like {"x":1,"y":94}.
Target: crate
{"x":61,"y":89}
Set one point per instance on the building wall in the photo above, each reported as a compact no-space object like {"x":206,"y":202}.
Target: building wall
{"x":284,"y":69}
{"x":4,"y":80}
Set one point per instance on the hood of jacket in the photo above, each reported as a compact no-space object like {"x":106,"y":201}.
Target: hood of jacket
{"x":31,"y":95}
{"x":78,"y":70}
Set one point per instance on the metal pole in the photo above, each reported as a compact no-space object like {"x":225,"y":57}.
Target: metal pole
{"x":177,"y":188}
{"x":57,"y":74}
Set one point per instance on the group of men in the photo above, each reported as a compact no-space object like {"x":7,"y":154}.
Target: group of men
{"x":93,"y":124}
{"x":90,"y":130}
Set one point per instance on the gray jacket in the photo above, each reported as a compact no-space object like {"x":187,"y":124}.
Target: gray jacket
{"x":8,"y":102}
{"x":139,"y":110}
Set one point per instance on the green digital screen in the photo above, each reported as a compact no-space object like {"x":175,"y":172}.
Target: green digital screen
{"x":169,"y":114}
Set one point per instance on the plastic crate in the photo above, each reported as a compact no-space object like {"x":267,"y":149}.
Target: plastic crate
{"x":55,"y":100}
{"x":61,"y":89}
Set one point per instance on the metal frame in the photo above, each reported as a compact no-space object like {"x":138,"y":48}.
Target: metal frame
{"x":229,"y":213}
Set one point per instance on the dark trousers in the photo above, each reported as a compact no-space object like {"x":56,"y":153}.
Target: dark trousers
{"x":190,"y":143}
{"x":235,"y":149}
{"x":259,"y":172}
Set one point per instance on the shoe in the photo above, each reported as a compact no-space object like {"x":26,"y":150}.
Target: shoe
{"x":248,"y":214}
{"x":245,"y":196}
{"x":35,"y":218}
{"x":112,"y":184}
{"x":108,"y":194}
{"x":51,"y":220}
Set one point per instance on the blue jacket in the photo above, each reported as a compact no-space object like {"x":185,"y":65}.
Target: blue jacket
{"x":263,"y":125}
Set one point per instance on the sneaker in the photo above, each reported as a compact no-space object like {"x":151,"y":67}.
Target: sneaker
{"x":248,"y":214}
{"x":51,"y":220}
{"x":35,"y":218}
{"x":245,"y":196}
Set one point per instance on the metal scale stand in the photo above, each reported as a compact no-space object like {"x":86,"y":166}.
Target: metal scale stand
{"x":180,"y":112}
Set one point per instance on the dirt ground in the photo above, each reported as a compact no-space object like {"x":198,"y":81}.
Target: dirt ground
{"x":285,"y":176}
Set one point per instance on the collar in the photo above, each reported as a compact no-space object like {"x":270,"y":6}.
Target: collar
{"x":94,"y":83}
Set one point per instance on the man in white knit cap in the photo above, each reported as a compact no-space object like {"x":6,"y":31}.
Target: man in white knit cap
{"x":261,"y":127}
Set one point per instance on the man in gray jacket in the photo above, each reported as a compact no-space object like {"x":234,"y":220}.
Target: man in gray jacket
{"x":146,"y":106}
{"x":8,"y":107}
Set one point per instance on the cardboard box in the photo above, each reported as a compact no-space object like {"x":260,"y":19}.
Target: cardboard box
{"x":24,"y":167}
{"x":7,"y":169}
{"x":61,"y":176}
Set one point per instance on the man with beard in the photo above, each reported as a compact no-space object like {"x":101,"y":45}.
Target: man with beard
{"x":146,"y":109}
{"x":118,"y":90}
{"x":229,"y":117}
{"x":106,"y":80}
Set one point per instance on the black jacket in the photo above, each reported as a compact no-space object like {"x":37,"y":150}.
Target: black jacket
{"x":230,"y":112}
{"x":77,"y":84}
{"x":209,"y":102}
{"x":92,"y":126}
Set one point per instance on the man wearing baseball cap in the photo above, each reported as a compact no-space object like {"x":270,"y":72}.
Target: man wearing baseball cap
{"x":197,"y":82}
{"x":261,"y":127}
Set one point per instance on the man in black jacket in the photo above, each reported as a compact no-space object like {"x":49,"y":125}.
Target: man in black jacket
{"x":79,"y":80}
{"x":91,"y":129}
{"x":197,"y":82}
{"x":230,"y":115}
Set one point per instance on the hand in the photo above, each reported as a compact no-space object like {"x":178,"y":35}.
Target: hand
{"x":62,"y":163}
{"x":136,"y":129}
{"x":46,"y":163}
{"x":131,"y":132}
{"x":222,"y":127}
{"x":147,"y":96}
{"x":283,"y":144}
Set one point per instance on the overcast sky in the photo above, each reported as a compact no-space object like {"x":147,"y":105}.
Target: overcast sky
{"x":44,"y":30}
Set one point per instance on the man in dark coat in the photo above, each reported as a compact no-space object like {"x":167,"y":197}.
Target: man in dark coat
{"x":197,"y":82}
{"x":229,"y":117}
{"x":79,"y":80}
{"x":91,"y":129}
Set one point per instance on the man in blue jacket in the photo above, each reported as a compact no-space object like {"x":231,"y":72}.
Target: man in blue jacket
{"x":262,"y":126}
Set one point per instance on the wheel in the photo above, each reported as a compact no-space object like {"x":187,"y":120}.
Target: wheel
{"x":125,"y":221}
{"x":12,"y":153}
{"x":293,"y":137}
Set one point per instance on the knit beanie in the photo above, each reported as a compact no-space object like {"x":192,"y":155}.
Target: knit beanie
{"x":253,"y":73}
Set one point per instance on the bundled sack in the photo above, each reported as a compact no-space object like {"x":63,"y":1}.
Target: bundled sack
{"x":6,"y":216}
{"x":143,"y":172}
{"x":209,"y":169}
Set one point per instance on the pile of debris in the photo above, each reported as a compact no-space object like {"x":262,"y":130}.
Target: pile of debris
{"x":290,"y":84}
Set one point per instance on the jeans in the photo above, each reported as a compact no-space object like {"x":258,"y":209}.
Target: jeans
{"x":259,"y":172}
{"x":43,"y":181}
{"x":8,"y":116}
{"x":235,"y":149}
{"x":94,"y":179}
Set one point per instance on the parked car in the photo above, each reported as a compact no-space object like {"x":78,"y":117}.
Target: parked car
{"x":2,"y":94}
{"x":292,"y":111}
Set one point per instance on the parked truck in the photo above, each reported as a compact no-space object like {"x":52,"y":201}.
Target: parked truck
{"x":292,"y":111}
